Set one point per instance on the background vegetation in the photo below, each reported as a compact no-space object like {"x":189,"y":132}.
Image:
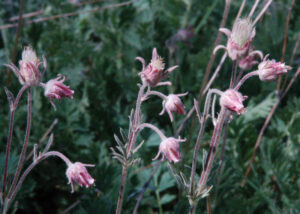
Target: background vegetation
{"x":96,"y":52}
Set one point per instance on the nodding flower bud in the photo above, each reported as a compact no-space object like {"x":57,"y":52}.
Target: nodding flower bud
{"x":172,"y":103}
{"x":247,"y":62}
{"x":29,"y":68}
{"x":28,"y":72}
{"x":233,"y":101}
{"x":77,"y":173}
{"x":169,"y":148}
{"x":154,"y":72}
{"x":55,"y":89}
{"x":270,"y":69}
{"x":239,"y":39}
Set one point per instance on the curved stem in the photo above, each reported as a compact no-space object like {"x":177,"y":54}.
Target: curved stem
{"x":247,"y":76}
{"x":212,"y":150}
{"x":10,"y":132}
{"x":23,"y":152}
{"x":233,"y":74}
{"x":262,"y":12}
{"x":32,"y":165}
{"x":200,"y":134}
{"x":134,"y":130}
{"x":156,"y":93}
{"x":154,"y":128}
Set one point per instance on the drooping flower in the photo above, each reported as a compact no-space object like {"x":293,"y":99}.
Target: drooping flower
{"x":173,"y":104}
{"x":270,"y":69}
{"x":28,"y":72}
{"x":233,"y":101}
{"x":247,"y":62}
{"x":77,"y":173}
{"x":154,"y":72}
{"x":239,"y":39}
{"x":55,"y":89}
{"x":169,"y":148}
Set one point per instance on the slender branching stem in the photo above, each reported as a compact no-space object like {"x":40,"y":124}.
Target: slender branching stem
{"x":287,"y":23}
{"x":23,"y":152}
{"x":122,"y":189}
{"x":10,"y":132}
{"x":262,"y":12}
{"x":247,"y":76}
{"x":154,"y":128}
{"x":253,"y":8}
{"x":240,"y":10}
{"x":200,"y":134}
{"x":212,"y":150}
{"x":32,"y":165}
{"x":156,"y":93}
{"x":190,"y":113}
{"x":233,"y":74}
{"x":134,"y":131}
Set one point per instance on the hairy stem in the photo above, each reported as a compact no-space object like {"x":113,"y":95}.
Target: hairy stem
{"x":122,"y":189}
{"x":32,"y":165}
{"x":212,"y":150}
{"x":197,"y":145}
{"x":23,"y":152}
{"x":134,"y":130}
{"x":154,"y":128}
{"x":247,"y":76}
{"x":10,"y":131}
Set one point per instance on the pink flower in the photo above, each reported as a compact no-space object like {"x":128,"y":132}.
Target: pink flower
{"x":77,"y":173}
{"x":55,"y":89}
{"x":29,"y":73}
{"x":169,"y":148}
{"x":233,"y":101}
{"x":154,"y":72}
{"x":239,"y":39}
{"x":270,"y":69}
{"x":247,"y":62}
{"x":172,"y":103}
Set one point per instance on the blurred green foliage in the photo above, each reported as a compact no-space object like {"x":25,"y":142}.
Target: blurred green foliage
{"x":96,"y":52}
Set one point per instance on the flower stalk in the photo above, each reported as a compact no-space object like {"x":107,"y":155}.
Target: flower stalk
{"x":26,"y":139}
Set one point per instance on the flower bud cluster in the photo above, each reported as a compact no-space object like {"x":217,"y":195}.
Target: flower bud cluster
{"x":152,"y":75}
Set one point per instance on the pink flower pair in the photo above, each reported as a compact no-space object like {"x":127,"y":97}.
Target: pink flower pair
{"x":30,"y":75}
